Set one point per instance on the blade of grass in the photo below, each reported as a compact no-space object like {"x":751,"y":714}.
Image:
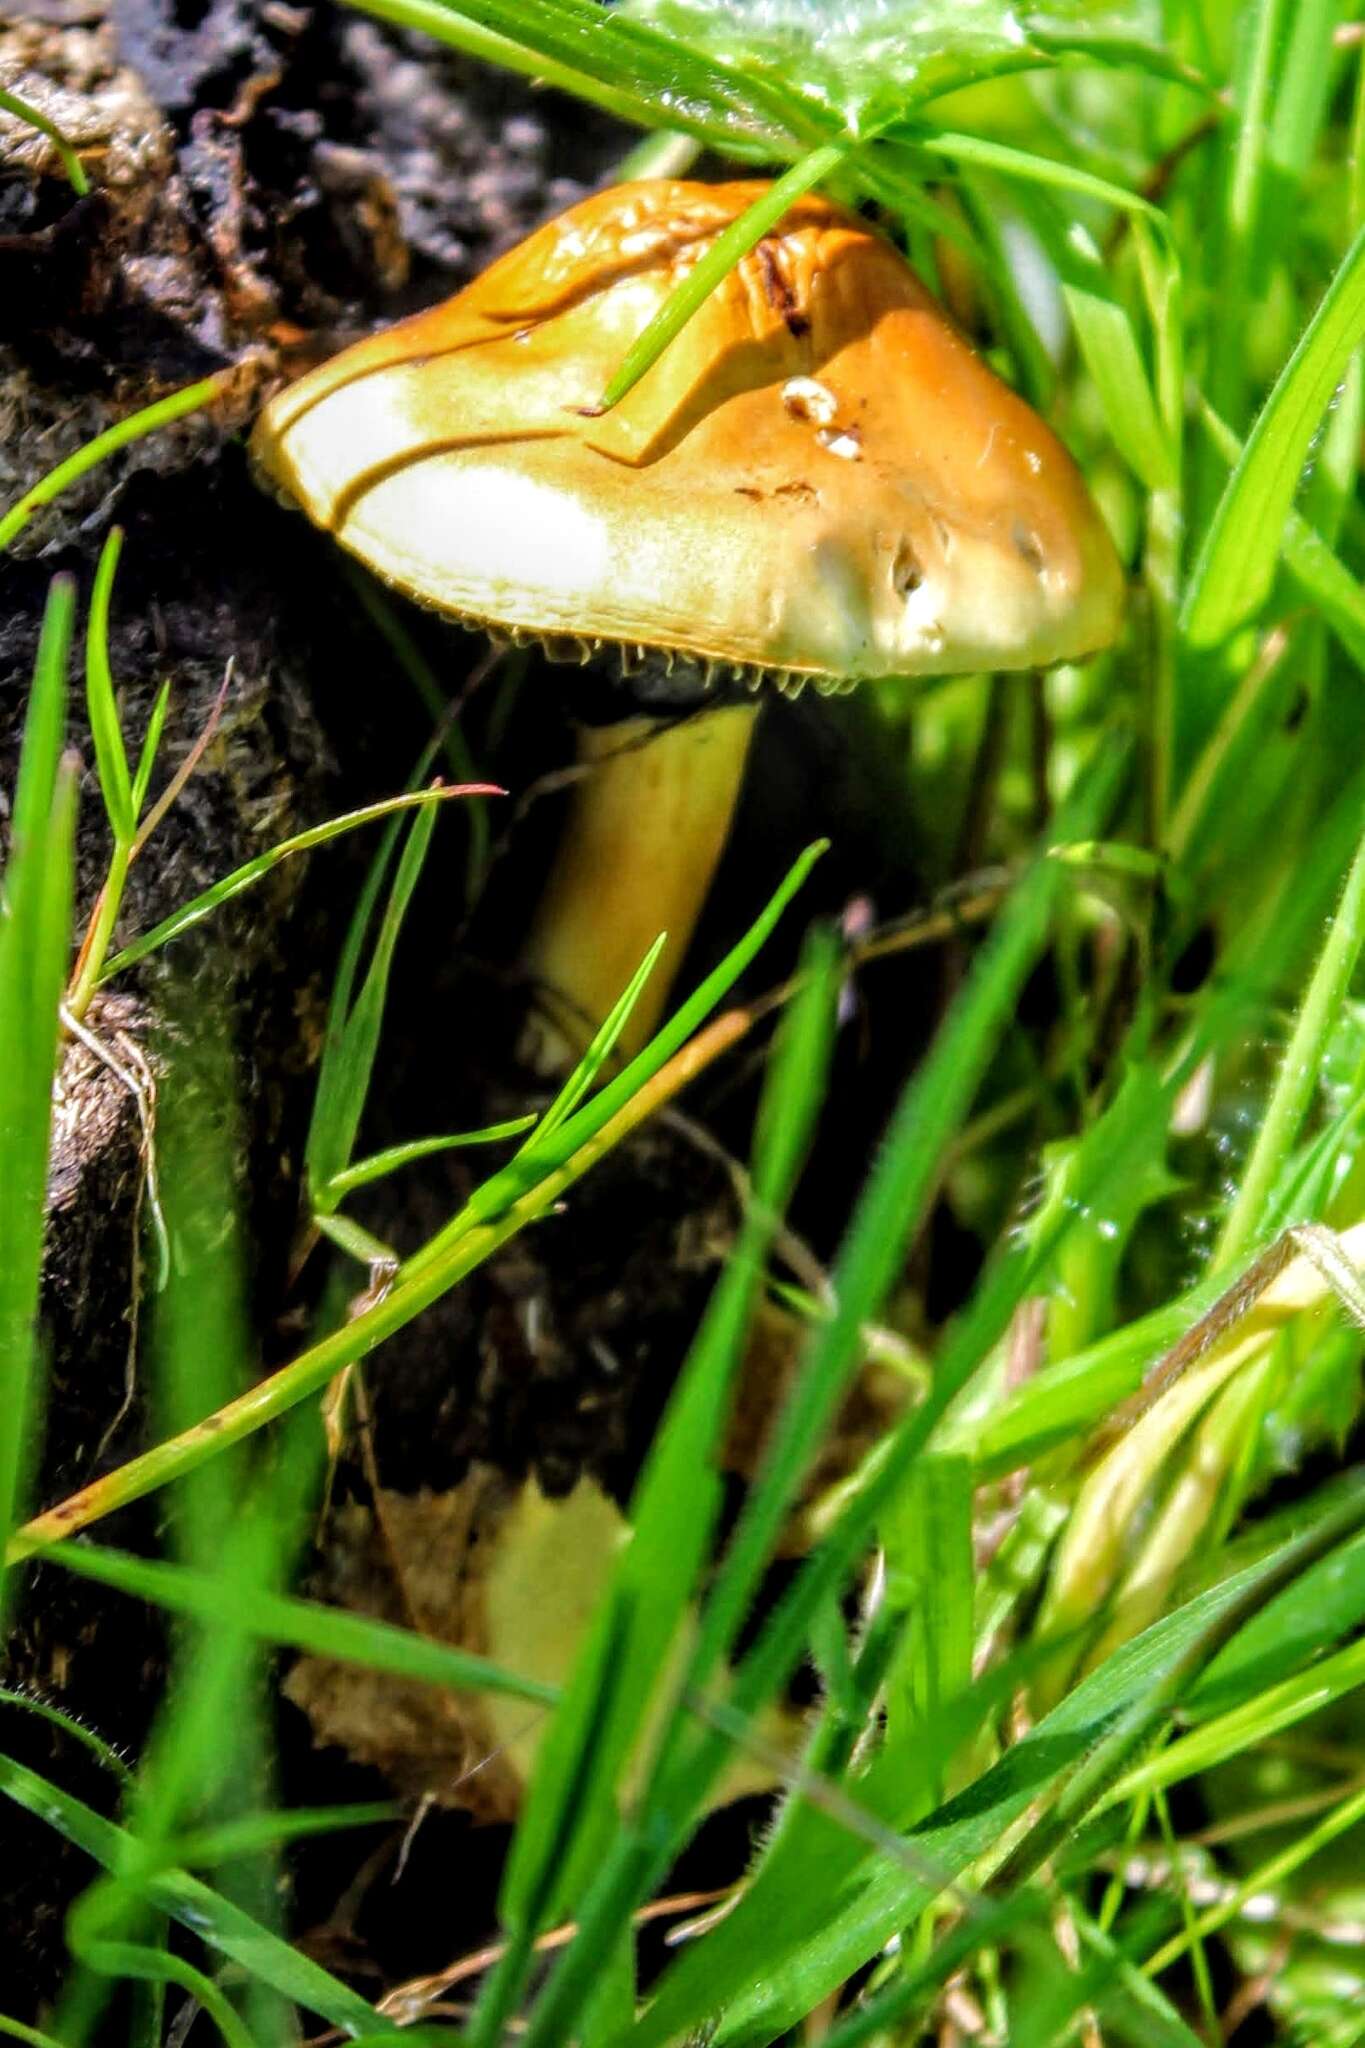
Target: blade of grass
{"x":196,"y":1906}
{"x":35,"y":937}
{"x":151,"y":744}
{"x":341,"y":1104}
{"x":728,"y":249}
{"x":111,"y":762}
{"x":175,"y":406}
{"x":232,"y":1839}
{"x":295,"y":1624}
{"x":1320,"y":575}
{"x":398,"y":1156}
{"x":934,"y":1102}
{"x":927,"y":1543}
{"x":1297,"y":1078}
{"x":1268,"y":1877}
{"x":570,"y":1814}
{"x":32,"y":1703}
{"x":657,"y":1073}
{"x":1114,"y":360}
{"x":1235,"y":568}
{"x":14,"y":103}
{"x":600,"y":1048}
{"x":201,"y":906}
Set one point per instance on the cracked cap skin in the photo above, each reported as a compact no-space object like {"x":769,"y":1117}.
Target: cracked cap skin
{"x":817,"y":478}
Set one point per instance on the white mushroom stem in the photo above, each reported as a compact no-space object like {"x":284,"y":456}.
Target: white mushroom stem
{"x":647,"y":823}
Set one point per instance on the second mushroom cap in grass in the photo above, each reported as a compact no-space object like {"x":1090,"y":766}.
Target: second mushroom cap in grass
{"x":818,"y":479}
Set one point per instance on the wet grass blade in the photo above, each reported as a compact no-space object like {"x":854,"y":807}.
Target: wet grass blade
{"x":728,"y":249}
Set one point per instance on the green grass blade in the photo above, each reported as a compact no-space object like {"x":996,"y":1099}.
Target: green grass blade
{"x":674,"y":1512}
{"x":356,"y":1242}
{"x":101,"y":701}
{"x":1236,"y":565}
{"x":252,"y":871}
{"x":32,"y":2037}
{"x":1114,"y":360}
{"x":135,"y":428}
{"x":255,"y":1831}
{"x":32,"y":1703}
{"x":396,"y":1157}
{"x":601,"y":1047}
{"x":927,"y":1542}
{"x":294,"y":1624}
{"x":35,"y":938}
{"x":728,"y":249}
{"x":151,"y":743}
{"x":1049,"y":172}
{"x":1297,"y":1079}
{"x":1321,"y":576}
{"x":12,"y":102}
{"x":344,"y":1084}
{"x":204,"y":1912}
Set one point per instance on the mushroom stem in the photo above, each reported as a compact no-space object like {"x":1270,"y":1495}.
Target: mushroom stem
{"x":648,"y":820}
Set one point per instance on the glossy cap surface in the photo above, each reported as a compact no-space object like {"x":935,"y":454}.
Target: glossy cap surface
{"x":818,"y":475}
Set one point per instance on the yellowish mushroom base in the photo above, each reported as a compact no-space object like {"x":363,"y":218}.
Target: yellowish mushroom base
{"x":647,"y":824}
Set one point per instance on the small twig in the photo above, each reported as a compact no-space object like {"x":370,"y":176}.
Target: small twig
{"x":1323,"y":1250}
{"x":407,"y":2002}
{"x":1202,"y":1335}
{"x":188,"y":765}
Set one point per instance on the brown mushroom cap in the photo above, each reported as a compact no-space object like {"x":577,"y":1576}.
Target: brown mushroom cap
{"x":818,"y":476}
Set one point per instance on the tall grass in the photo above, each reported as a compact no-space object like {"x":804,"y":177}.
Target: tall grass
{"x":1119,"y":1551}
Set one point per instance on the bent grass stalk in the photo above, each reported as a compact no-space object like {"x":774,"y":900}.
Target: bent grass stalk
{"x":308,"y":1374}
{"x":14,"y":103}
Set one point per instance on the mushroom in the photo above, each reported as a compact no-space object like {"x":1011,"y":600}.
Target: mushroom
{"x":818,"y":480}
